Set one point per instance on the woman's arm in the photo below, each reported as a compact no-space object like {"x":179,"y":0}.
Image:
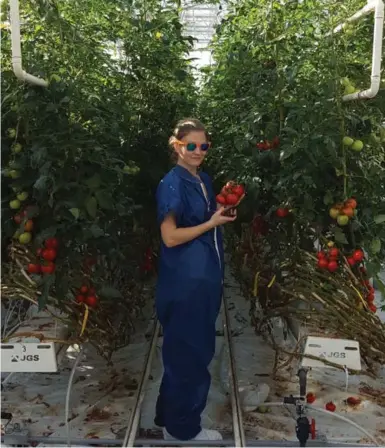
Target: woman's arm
{"x":173,"y":236}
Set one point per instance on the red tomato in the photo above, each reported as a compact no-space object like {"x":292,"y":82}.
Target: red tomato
{"x":351,"y":203}
{"x":91,"y":301}
{"x":321,"y":255}
{"x":80,"y":298}
{"x":351,"y":261}
{"x":323,"y":263}
{"x":282,"y":212}
{"x":83,"y":289}
{"x":358,"y":255}
{"x":268,"y":144}
{"x":48,"y":268}
{"x":353,"y":401}
{"x":33,"y":268}
{"x":334,"y":252}
{"x":332,"y":266}
{"x":331,"y":407}
{"x":310,"y":398}
{"x":49,"y":254}
{"x":239,"y":190}
{"x":372,"y":307}
{"x":232,"y":199}
{"x":17,"y":219}
{"x":225,"y":191}
{"x":221,"y":199}
{"x":370,"y":297}
{"x":51,"y":243}
{"x":28,"y":226}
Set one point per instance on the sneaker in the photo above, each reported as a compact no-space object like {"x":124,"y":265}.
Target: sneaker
{"x":205,"y":434}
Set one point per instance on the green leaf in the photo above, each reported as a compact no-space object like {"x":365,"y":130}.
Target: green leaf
{"x":91,"y":206}
{"x":42,"y":183}
{"x":375,"y":245}
{"x":104,"y":199}
{"x":96,"y":231}
{"x":94,"y":181}
{"x":110,"y":293}
{"x":379,"y":219}
{"x":328,"y":198}
{"x":75,"y":212}
{"x":339,"y":236}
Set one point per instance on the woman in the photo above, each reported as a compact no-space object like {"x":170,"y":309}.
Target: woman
{"x":189,"y":289}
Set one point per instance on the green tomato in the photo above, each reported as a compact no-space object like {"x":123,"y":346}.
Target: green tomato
{"x":22,"y":196}
{"x":357,"y":146}
{"x":343,"y":220}
{"x":349,"y":90}
{"x":14,"y":174}
{"x":11,"y":133}
{"x":16,"y":148}
{"x":347,"y":141}
{"x":15,"y":204}
{"x":25,"y":238}
{"x":345,"y":82}
{"x":17,"y":234}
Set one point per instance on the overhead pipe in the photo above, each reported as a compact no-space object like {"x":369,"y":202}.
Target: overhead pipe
{"x":16,"y":49}
{"x":376,"y":6}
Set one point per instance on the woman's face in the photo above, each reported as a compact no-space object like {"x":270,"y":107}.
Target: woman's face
{"x":183,"y":148}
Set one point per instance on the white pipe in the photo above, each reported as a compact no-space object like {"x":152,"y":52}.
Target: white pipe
{"x":16,"y":48}
{"x":378,"y":7}
{"x":331,"y":414}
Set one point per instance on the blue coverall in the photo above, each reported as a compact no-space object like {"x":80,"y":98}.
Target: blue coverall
{"x":188,"y":300}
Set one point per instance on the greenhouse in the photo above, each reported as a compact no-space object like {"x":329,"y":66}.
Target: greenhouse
{"x":193,"y":223}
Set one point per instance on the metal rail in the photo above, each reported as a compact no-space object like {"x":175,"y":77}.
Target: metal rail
{"x":239,"y":433}
{"x":48,"y":440}
{"x":133,"y":422}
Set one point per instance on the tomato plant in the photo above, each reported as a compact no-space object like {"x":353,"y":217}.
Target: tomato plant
{"x":81,"y":159}
{"x":279,"y":76}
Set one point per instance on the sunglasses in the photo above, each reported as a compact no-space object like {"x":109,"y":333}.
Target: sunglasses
{"x":193,"y":146}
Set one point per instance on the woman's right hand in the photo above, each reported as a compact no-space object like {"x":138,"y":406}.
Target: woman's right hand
{"x":218,"y":218}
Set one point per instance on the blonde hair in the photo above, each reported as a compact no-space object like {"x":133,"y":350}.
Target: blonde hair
{"x":186,"y":126}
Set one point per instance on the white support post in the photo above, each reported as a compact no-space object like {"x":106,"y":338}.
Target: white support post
{"x":377,"y":7}
{"x":16,"y":48}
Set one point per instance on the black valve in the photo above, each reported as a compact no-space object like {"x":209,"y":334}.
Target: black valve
{"x":303,"y":430}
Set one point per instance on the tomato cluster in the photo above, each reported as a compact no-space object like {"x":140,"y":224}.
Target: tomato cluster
{"x":356,"y":257}
{"x":369,"y":297}
{"x":268,"y":144}
{"x":329,"y":260}
{"x":87,"y":295}
{"x":343,"y":212}
{"x":231,"y":194}
{"x":47,"y":256}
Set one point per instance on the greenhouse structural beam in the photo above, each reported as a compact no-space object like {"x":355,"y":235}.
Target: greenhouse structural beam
{"x":377,"y":7}
{"x":16,"y":49}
